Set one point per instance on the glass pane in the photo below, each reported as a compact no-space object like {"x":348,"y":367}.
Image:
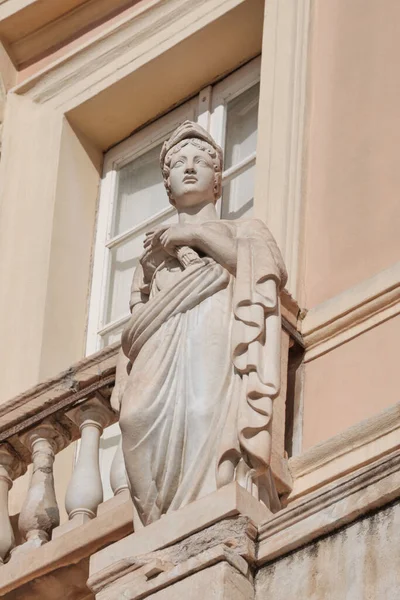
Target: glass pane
{"x":140,"y":191}
{"x":238,"y":196}
{"x":112,"y":336}
{"x":124,"y":259}
{"x":241,"y":126}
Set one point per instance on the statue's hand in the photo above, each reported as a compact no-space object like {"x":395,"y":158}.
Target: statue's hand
{"x":152,"y":239}
{"x":170,"y":237}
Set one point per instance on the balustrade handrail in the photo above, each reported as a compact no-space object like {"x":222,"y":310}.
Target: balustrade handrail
{"x":57,"y":394}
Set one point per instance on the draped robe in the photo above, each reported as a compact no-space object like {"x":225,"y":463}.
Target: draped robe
{"x":204,"y":368}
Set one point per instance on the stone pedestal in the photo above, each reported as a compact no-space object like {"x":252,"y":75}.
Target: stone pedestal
{"x":204,"y":550}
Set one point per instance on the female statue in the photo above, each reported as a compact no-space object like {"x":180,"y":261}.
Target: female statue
{"x":200,"y":361}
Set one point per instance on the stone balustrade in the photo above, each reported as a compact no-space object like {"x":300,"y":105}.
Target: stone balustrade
{"x":37,"y":425}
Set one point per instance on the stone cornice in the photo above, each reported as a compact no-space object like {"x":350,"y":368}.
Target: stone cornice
{"x":352,"y":312}
{"x":96,"y":80}
{"x":329,"y":508}
{"x":109,"y":55}
{"x":33,"y":29}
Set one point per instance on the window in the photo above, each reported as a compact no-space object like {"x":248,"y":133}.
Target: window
{"x":133,"y":198}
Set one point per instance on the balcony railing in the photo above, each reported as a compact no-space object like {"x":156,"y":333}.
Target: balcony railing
{"x":76,"y":405}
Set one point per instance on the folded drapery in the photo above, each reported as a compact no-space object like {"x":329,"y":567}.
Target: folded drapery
{"x":204,"y":348}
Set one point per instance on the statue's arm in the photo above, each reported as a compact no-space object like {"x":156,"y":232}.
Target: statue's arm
{"x":218,"y":243}
{"x":212,"y":239}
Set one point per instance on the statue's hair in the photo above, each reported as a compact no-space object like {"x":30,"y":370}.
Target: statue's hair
{"x":201,"y":145}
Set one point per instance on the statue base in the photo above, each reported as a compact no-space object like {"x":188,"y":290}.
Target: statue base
{"x":206,"y":547}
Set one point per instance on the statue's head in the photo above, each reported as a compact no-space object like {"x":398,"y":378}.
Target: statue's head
{"x":191,"y":164}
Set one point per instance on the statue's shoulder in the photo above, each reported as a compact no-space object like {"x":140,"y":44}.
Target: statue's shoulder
{"x":249,"y":227}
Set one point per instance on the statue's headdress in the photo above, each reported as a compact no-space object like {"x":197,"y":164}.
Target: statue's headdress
{"x":189,"y":130}
{"x":186,"y":133}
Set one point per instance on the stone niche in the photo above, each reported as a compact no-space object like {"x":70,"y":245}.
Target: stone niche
{"x":359,"y":562}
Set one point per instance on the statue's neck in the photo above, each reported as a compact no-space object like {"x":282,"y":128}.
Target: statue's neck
{"x":197,"y":214}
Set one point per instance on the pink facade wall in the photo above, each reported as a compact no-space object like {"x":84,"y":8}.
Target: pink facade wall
{"x":353,"y":170}
{"x":351,"y":383}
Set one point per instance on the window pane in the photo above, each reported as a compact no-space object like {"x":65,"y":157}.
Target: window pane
{"x":112,"y":336}
{"x":124,"y":259}
{"x":238,"y":196}
{"x":140,"y":191}
{"x":241,"y":126}
{"x":240,"y":142}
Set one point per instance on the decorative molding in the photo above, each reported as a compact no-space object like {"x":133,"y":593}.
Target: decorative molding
{"x":346,"y":452}
{"x":278,"y":195}
{"x":61,"y":30}
{"x":124,"y":46}
{"x":328,"y":509}
{"x":96,"y":81}
{"x":9,"y":8}
{"x":352,"y":312}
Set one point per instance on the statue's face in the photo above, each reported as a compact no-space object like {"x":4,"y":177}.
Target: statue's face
{"x":191,"y":177}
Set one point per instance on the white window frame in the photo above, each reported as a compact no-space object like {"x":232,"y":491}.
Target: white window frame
{"x":223,"y":92}
{"x":208,"y":108}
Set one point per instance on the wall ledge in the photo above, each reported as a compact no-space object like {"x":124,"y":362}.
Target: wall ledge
{"x":337,"y":504}
{"x":351,"y":312}
{"x":353,"y":448}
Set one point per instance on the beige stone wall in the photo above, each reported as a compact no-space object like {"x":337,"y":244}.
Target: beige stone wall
{"x":359,"y":562}
{"x":48,"y":194}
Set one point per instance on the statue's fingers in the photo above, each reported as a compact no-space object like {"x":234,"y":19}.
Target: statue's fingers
{"x":163,"y":238}
{"x":157,"y":236}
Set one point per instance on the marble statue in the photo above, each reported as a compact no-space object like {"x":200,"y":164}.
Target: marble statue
{"x":200,"y":362}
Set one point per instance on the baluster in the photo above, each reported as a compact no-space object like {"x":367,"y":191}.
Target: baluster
{"x":85,"y":490}
{"x":39,"y":514}
{"x":118,"y":479}
{"x":10,"y":468}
